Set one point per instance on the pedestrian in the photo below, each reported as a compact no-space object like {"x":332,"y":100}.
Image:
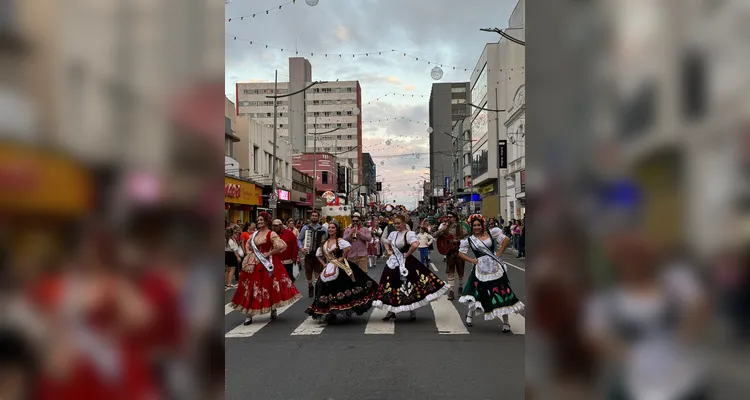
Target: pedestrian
{"x":454,"y":228}
{"x":516,"y":230}
{"x":292,"y":227}
{"x":232,"y":257}
{"x":373,"y":249}
{"x":406,"y":284}
{"x":289,"y":255}
{"x":309,"y":260}
{"x":359,"y":237}
{"x":488,"y":289}
{"x":425,"y":241}
{"x":264,"y":284}
{"x":522,"y":240}
{"x":337,"y":293}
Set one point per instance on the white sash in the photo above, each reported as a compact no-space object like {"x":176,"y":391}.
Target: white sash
{"x":489,"y":267}
{"x":399,"y":258}
{"x":267,"y":264}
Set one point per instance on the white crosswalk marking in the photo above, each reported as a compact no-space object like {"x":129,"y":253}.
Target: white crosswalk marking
{"x":517,"y":324}
{"x":309,"y":327}
{"x":258,"y":323}
{"x":227,"y":308}
{"x":376,"y":325}
{"x":447,"y":318}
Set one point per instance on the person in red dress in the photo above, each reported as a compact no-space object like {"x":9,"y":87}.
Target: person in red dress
{"x":290,"y":255}
{"x":264,"y":283}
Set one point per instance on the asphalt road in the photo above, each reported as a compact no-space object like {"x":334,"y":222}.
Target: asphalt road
{"x":434,"y":357}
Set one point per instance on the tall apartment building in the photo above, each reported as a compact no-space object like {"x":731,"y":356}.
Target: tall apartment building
{"x":448,"y":104}
{"x":322,"y":108}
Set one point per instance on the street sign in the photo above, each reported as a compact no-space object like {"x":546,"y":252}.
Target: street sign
{"x":502,"y":154}
{"x":272,"y":203}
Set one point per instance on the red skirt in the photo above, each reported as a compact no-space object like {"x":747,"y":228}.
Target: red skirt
{"x":259,"y":293}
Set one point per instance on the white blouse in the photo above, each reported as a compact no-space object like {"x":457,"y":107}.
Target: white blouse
{"x":411,"y":237}
{"x":342,"y":245}
{"x":495,"y":233}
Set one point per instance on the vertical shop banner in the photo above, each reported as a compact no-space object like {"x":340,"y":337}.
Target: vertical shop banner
{"x":446,"y":185}
{"x":502,"y":154}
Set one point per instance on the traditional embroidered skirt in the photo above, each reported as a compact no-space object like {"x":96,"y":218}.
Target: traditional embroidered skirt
{"x":343,"y":295}
{"x":418,"y":289}
{"x":258,"y":293}
{"x":493,"y":298}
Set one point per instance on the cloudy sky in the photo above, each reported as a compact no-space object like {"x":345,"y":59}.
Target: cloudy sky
{"x":394,"y":86}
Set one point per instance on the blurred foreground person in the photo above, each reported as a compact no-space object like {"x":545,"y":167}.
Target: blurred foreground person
{"x":646,"y":326}
{"x":264,"y":284}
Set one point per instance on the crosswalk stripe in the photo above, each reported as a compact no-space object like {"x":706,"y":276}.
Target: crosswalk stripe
{"x":376,"y":325}
{"x":309,"y":327}
{"x":252,"y":329}
{"x":517,"y":324}
{"x":447,"y":319}
{"x":227,"y":308}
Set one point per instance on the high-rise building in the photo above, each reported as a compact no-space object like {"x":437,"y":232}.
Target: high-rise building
{"x":322,"y":108}
{"x":448,"y":104}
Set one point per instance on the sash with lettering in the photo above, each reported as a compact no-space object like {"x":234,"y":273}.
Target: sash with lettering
{"x":398,"y":259}
{"x":266,"y":263}
{"x":489,"y":266}
{"x":331,"y":271}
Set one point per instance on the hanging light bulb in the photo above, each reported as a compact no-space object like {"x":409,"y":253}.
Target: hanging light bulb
{"x":413,"y":167}
{"x":437,"y":73}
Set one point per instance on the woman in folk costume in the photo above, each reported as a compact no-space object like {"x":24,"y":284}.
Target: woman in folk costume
{"x":264,"y":284}
{"x":487,"y":289}
{"x":406,"y":284}
{"x":343,"y":288}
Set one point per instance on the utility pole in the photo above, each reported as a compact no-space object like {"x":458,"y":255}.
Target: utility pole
{"x":273,"y":198}
{"x":315,"y":159}
{"x":500,"y":197}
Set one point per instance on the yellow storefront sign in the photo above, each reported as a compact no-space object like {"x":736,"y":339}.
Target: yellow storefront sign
{"x":241,"y":192}
{"x":42,"y":181}
{"x":486,"y":188}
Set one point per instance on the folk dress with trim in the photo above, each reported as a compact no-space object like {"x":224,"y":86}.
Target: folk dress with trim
{"x":259,"y":292}
{"x":335,"y":291}
{"x":487,"y":290}
{"x":420,"y":286}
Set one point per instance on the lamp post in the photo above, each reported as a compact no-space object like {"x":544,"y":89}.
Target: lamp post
{"x":274,"y":193}
{"x":505,"y":35}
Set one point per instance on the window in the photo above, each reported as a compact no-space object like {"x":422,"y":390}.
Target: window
{"x":349,"y":90}
{"x":350,"y":125}
{"x":255,"y":158}
{"x":338,"y":113}
{"x":324,"y":177}
{"x":461,"y":89}
{"x":350,"y":137}
{"x":269,"y":159}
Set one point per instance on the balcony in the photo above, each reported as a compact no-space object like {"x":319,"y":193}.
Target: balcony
{"x":516,"y":165}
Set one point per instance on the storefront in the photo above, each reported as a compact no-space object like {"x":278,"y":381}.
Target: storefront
{"x":302,"y":204}
{"x":285,"y":206}
{"x":489,"y":198}
{"x":241,"y":199}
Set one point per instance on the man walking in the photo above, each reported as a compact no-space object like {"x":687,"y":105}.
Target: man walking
{"x":288,"y":256}
{"x":452,"y":226}
{"x":359,"y":237}
{"x":309,"y":260}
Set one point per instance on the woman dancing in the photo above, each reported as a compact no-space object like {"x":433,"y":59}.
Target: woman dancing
{"x":264,"y":284}
{"x":343,"y":288}
{"x":406,"y":284}
{"x":488,"y":289}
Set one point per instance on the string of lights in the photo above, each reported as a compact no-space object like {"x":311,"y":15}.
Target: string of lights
{"x":262,"y":12}
{"x":355,"y":55}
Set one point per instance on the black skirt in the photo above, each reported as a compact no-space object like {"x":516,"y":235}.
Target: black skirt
{"x":419,"y":288}
{"x":230,"y":259}
{"x":342,"y":295}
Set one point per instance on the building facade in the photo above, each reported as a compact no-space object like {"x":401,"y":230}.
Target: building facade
{"x":302,"y":196}
{"x":369,"y":178}
{"x":254,"y":152}
{"x":326,"y":175}
{"x":448,"y":105}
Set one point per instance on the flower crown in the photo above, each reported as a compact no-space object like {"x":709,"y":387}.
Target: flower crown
{"x":477,"y":217}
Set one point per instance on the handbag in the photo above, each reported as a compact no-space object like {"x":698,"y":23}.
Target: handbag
{"x":295,"y":270}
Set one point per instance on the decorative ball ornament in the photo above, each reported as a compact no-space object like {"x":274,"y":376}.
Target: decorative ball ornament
{"x":387,"y":142}
{"x":312,"y":3}
{"x":382,"y":163}
{"x":437,"y":73}
{"x":417,"y":156}
{"x":429,"y":129}
{"x":413,"y":167}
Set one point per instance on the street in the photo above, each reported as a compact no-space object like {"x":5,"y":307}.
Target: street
{"x":434,"y":357}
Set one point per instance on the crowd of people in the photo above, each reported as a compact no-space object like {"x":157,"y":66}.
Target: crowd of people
{"x":336,"y":271}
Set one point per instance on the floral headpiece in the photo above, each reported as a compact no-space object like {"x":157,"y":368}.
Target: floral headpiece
{"x":477,"y":217}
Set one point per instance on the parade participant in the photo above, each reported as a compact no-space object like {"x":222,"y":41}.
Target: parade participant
{"x":488,"y":289}
{"x":359,"y":237}
{"x":290,"y":225}
{"x":264,"y":284}
{"x":309,"y":261}
{"x":289,"y":255}
{"x":406,"y":284}
{"x":373,"y":248}
{"x":343,"y":287}
{"x":453,"y":227}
